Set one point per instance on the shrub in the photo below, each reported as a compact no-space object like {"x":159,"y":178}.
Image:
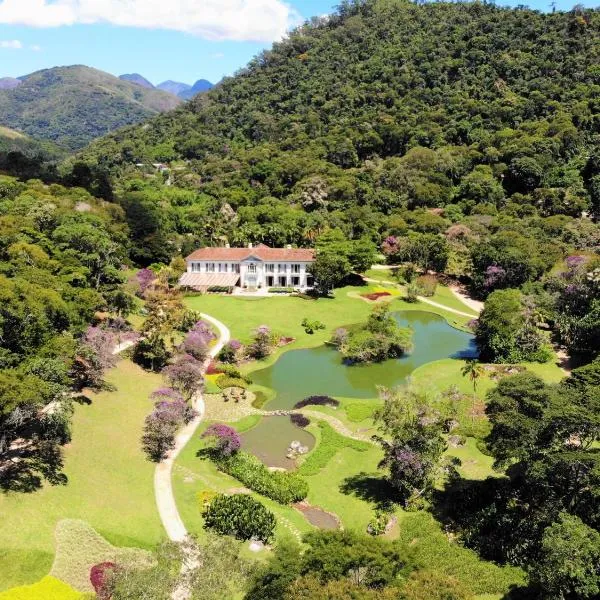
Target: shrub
{"x":359,"y":411}
{"x":263,"y":342}
{"x":233,"y":372}
{"x":427,"y":285}
{"x":100,"y":579}
{"x":412,"y":293}
{"x":229,"y":352}
{"x":426,"y":584}
{"x":226,"y":440}
{"x":311,"y":326}
{"x":299,"y":420}
{"x":218,"y":289}
{"x":225,"y":381}
{"x":241,"y":516}
{"x":279,"y":486}
{"x":331,"y":442}
{"x":317,"y":401}
{"x":281,"y":290}
{"x":151,"y":353}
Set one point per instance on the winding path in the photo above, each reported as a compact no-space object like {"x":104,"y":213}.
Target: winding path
{"x":426,"y":300}
{"x":163,"y":488}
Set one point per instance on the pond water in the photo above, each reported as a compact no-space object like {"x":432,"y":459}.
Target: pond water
{"x":271,"y":438}
{"x":321,"y":371}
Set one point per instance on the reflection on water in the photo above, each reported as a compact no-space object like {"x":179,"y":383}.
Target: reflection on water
{"x":271,"y":438}
{"x":320,"y":371}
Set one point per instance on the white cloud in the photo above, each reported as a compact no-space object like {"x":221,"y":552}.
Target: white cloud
{"x":240,"y":20}
{"x":36,"y":48}
{"x":11,"y":44}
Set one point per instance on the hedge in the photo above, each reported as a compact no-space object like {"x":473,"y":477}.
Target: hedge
{"x":317,"y":401}
{"x":331,"y":442}
{"x":218,"y":289}
{"x":226,"y":381}
{"x":280,"y":486}
{"x":281,"y":290}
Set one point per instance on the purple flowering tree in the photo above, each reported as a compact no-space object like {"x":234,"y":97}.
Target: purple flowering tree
{"x":186,"y":376}
{"x":229,"y":352}
{"x":94,"y":356}
{"x":390,"y":246}
{"x":262,"y":342}
{"x":195,"y":344}
{"x":225,"y":440}
{"x":145,"y":277}
{"x":494,"y":277}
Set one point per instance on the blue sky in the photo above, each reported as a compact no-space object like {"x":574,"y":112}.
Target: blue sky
{"x":211,"y":39}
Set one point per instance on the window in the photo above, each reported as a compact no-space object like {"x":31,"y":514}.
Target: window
{"x":281,"y":268}
{"x":226,"y":267}
{"x":270,"y":268}
{"x":251,"y":268}
{"x":295,"y":268}
{"x":235,"y":268}
{"x":219,"y":267}
{"x":196,"y":267}
{"x":295,"y":281}
{"x":210,"y":267}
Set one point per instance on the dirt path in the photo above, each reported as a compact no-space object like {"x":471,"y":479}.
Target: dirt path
{"x":336,"y":424}
{"x":163,"y":489}
{"x":459,"y":292}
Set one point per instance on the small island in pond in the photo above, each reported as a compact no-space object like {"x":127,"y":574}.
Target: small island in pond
{"x":380,"y":338}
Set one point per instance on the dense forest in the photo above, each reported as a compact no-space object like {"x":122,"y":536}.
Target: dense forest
{"x":456,"y":139}
{"x":460,"y":137}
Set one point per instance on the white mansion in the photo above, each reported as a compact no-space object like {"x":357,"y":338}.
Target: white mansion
{"x":251,"y":268}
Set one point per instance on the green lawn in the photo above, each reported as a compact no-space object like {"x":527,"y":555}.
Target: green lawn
{"x":445,"y":296}
{"x":110,"y":483}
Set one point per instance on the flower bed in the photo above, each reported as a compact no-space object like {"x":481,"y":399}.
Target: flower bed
{"x":374,"y":296}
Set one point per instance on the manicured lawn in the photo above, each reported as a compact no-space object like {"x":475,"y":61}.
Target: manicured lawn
{"x":110,"y":483}
{"x":475,"y":465}
{"x":192,"y":475}
{"x":445,"y":296}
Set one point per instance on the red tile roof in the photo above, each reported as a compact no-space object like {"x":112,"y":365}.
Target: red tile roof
{"x":261,"y":252}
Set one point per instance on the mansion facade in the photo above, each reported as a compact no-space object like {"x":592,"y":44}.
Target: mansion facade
{"x":252,"y":268}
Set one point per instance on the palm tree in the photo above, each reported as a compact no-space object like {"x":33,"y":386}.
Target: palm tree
{"x":473,"y":370}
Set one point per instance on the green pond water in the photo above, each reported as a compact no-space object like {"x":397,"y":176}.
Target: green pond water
{"x":271,"y":438}
{"x":321,"y":371}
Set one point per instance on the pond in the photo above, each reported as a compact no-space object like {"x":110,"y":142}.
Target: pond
{"x":271,"y":438}
{"x":321,"y":371}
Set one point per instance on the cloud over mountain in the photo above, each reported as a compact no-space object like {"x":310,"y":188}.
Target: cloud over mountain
{"x":240,"y":20}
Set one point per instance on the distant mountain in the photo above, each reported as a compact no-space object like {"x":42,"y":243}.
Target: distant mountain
{"x":9,"y":83}
{"x":137,"y":79}
{"x":73,"y":105}
{"x":202,"y":85}
{"x":174,"y":87}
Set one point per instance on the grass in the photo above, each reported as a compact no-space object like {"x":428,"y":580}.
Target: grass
{"x":110,"y":483}
{"x":474,"y":464}
{"x":49,"y":588}
{"x":444,"y":295}
{"x":192,"y":475}
{"x":329,"y":444}
{"x":79,"y":547}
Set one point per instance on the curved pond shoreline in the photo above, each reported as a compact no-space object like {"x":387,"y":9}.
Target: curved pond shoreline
{"x":299,"y":373}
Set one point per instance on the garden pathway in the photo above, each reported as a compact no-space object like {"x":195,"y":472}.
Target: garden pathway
{"x":423,"y":299}
{"x":163,"y":488}
{"x":335,"y":424}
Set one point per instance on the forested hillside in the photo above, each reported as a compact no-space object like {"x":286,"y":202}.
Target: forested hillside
{"x":61,"y":253}
{"x":73,"y":105}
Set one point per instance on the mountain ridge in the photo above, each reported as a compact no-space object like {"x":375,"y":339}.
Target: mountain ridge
{"x":73,"y":105}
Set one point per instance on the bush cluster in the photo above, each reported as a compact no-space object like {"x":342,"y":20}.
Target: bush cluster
{"x":284,"y":488}
{"x":317,"y":401}
{"x":241,"y":516}
{"x":225,"y":381}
